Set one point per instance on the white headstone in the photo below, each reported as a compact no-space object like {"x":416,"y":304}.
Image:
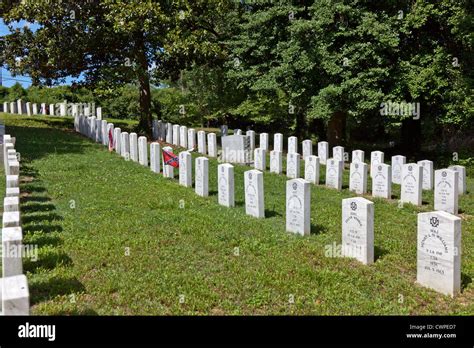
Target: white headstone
{"x":358,"y":178}
{"x":358,"y":156}
{"x":382,"y":181}
{"x":125,"y":145}
{"x":133,"y":147}
{"x":51,"y":109}
{"x":397,"y":165}
{"x":13,"y":181}
{"x":168,"y":170}
{"x":334,"y":173}
{"x":19,"y":107}
{"x":43,"y":109}
{"x":307,"y":148}
{"x":358,"y":228}
{"x":169,"y":133}
{"x":98,"y":112}
{"x":15,"y":295}
{"x":202,"y":176}
{"x":293,"y":165}
{"x":278,"y":142}
{"x":264,"y":141}
{"x":105,"y":132}
{"x":117,"y":140}
{"x":292,"y":145}
{"x":28,"y":109}
{"x":62,"y":109}
{"x":251,"y":135}
{"x":191,"y":138}
{"x":446,"y":190}
{"x":12,"y":262}
{"x":98,"y":131}
{"x":376,"y":157}
{"x":225,"y":178}
{"x":176,"y":134}
{"x":155,"y":157}
{"x":93,"y":128}
{"x":462,"y":183}
{"x":202,"y":142}
{"x":11,"y":204}
{"x":212,"y":144}
{"x":260,"y":159}
{"x":426,"y":174}
{"x":411,"y":190}
{"x":439,"y":252}
{"x":254,"y":204}
{"x":35,"y":109}
{"x":183,"y":136}
{"x":298,"y":200}
{"x":275,"y":162}
{"x":185,"y":169}
{"x":311,"y":169}
{"x":338,"y":153}
{"x":143,"y":151}
{"x":11,"y":219}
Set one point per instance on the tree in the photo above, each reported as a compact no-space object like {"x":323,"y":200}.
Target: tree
{"x":336,"y":61}
{"x":111,"y":41}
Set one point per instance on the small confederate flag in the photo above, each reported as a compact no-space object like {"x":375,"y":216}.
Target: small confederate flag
{"x":111,"y":140}
{"x":170,"y":159}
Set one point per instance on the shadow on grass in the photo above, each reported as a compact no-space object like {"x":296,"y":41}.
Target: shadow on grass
{"x":271,"y":213}
{"x":318,"y":229}
{"x":47,"y":261}
{"x":45,"y":141}
{"x":45,"y":239}
{"x":36,"y":207}
{"x":84,"y":311}
{"x":58,"y":286}
{"x":26,"y":199}
{"x":40,"y":217}
{"x":465,"y":280}
{"x":42,"y":228}
{"x":379,"y":253}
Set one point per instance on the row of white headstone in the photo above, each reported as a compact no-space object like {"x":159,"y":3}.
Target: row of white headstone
{"x":448,"y":182}
{"x":413,"y":177}
{"x":188,"y":138}
{"x":21,"y":107}
{"x":439,"y":233}
{"x":15,"y":296}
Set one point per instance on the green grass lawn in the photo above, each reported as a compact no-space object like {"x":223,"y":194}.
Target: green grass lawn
{"x":115,"y":238}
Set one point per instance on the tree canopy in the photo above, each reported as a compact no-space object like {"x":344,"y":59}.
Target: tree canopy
{"x":319,"y":69}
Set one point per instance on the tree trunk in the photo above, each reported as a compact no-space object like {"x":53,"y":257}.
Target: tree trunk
{"x":410,"y":140}
{"x":145,"y":123}
{"x":301,"y":128}
{"x":336,"y":131}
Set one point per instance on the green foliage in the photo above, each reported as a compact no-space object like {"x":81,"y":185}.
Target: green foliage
{"x":16,"y":92}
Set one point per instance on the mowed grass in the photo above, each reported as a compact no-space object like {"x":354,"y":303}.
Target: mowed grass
{"x":116,"y":239}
